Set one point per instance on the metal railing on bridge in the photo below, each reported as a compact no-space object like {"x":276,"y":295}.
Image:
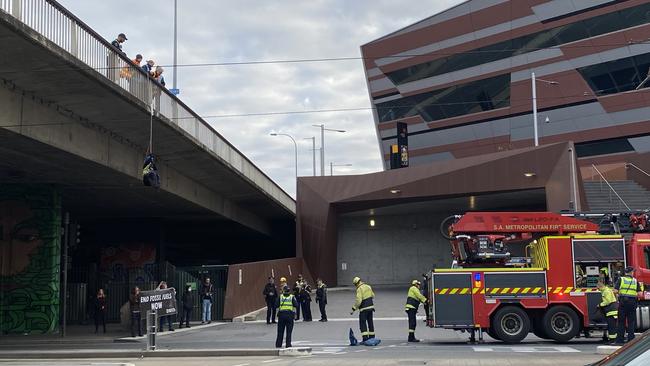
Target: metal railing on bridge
{"x":58,"y":25}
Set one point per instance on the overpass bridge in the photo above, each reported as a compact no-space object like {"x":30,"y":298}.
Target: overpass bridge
{"x":74,"y":129}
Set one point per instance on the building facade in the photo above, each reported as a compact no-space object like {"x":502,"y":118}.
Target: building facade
{"x":461,"y":79}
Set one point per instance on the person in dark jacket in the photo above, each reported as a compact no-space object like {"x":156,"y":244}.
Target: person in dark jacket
{"x":188,"y":303}
{"x":165,"y":318}
{"x":134,"y":307}
{"x":271,"y":297}
{"x":100,"y":310}
{"x":296,"y":294}
{"x":321,"y":299}
{"x":112,"y":60}
{"x":206,"y":297}
{"x":305,"y":302}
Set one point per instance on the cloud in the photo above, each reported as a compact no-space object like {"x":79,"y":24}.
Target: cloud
{"x":245,"y":30}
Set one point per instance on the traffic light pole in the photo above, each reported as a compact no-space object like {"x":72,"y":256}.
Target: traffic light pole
{"x":66,"y":239}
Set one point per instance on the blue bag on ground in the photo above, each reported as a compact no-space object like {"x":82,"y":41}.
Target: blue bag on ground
{"x":372,"y":342}
{"x":353,"y":339}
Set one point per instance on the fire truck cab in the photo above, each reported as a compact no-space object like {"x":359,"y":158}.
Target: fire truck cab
{"x":541,"y":278}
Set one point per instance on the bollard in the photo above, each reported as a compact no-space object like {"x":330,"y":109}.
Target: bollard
{"x":152,"y":320}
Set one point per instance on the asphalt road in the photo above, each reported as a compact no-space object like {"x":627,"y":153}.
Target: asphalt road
{"x":330,"y":344}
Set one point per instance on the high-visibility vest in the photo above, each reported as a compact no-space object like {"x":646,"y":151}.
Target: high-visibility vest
{"x":609,"y":304}
{"x":364,"y":300}
{"x":286,"y":303}
{"x":628,"y":287}
{"x":414,"y":298}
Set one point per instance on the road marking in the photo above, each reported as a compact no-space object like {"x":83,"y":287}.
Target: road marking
{"x":393,"y":345}
{"x":339,"y":353}
{"x":526,"y":349}
{"x":361,"y":350}
{"x":273,"y":360}
{"x":382,"y":347}
{"x":242,"y":364}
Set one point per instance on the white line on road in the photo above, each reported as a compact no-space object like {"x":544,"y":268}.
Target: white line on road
{"x":242,"y":364}
{"x":273,"y":360}
{"x":361,"y":350}
{"x":527,"y":349}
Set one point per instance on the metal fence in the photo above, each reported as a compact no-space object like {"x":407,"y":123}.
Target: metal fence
{"x":58,"y":25}
{"x":86,"y":280}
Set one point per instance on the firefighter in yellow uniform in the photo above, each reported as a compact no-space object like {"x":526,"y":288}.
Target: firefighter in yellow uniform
{"x":609,"y":308}
{"x":413,"y":300}
{"x":365,"y":304}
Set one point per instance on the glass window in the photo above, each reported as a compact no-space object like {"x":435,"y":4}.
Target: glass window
{"x":624,"y":74}
{"x":548,"y":38}
{"x":571,"y":32}
{"x":617,"y":76}
{"x":603,"y":147}
{"x":604,"y":24}
{"x":458,"y":100}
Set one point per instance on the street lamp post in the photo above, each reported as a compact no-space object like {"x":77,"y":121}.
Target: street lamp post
{"x":313,"y":152}
{"x":295,"y":147}
{"x":322,"y":145}
{"x":332,"y":165}
{"x":175,"y":43}
{"x":534,"y":86}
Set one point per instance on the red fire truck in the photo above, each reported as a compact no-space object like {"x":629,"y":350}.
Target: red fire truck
{"x":521,"y":272}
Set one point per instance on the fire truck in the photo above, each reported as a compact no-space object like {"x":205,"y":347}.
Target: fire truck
{"x":520,"y":272}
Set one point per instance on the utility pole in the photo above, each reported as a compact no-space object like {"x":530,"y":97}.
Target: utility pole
{"x":175,"y":44}
{"x":322,"y":145}
{"x":313,"y":152}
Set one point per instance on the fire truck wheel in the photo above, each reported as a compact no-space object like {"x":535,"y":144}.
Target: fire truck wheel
{"x":561,"y":323}
{"x":492,"y":334}
{"x":511,"y":324}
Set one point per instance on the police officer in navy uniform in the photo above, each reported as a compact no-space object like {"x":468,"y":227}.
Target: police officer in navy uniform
{"x":287,"y":305}
{"x":627,"y":288}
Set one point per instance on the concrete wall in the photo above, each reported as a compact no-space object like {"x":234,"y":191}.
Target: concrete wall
{"x":397,"y":250}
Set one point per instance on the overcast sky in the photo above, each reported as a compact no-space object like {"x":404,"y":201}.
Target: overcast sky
{"x":211,"y":31}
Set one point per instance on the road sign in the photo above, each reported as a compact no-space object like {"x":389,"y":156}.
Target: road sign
{"x":175,"y":91}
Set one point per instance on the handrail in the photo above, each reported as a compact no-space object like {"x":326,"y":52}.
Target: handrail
{"x":637,"y":168}
{"x":610,"y":186}
{"x":58,"y":25}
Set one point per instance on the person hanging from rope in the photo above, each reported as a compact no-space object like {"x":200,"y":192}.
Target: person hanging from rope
{"x":150,"y":176}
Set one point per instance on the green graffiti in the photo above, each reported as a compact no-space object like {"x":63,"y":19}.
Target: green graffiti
{"x":30,"y":250}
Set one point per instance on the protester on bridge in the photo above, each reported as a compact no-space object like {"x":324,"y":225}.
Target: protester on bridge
{"x":112,"y":60}
{"x":270,"y":293}
{"x":286,"y":305}
{"x":117,"y":43}
{"x":158,"y":75}
{"x":609,"y":307}
{"x":134,"y":307}
{"x":206,"y":295}
{"x":100,"y":310}
{"x":321,"y":299}
{"x":413,"y":300}
{"x":627,"y":288}
{"x":188,"y":304}
{"x":365,"y":304}
{"x":167,"y":318}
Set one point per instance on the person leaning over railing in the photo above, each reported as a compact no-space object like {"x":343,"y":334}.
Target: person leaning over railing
{"x":112,"y":59}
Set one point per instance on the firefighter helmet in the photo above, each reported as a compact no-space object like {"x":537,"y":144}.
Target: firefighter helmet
{"x":356,"y":280}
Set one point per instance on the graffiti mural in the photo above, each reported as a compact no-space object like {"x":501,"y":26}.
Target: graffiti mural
{"x":30,"y":244}
{"x":133,"y":262}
